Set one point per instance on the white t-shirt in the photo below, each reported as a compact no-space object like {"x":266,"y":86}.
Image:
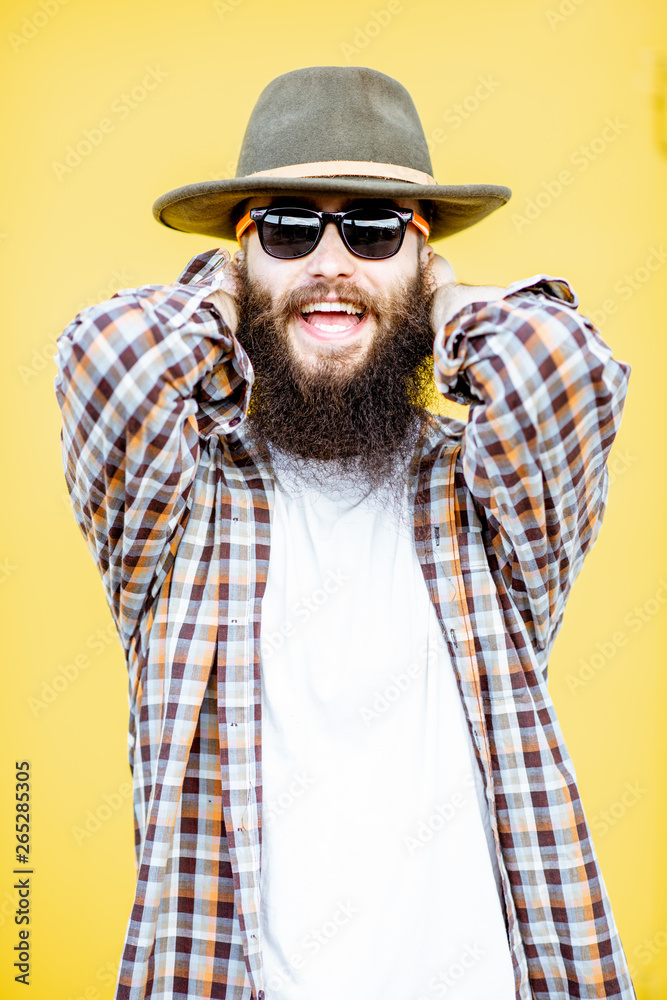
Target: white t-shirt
{"x":379,"y":879}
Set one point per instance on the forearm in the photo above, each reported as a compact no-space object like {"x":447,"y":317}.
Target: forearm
{"x":130,"y":358}
{"x":542,"y":364}
{"x":547,"y":401}
{"x":142,"y":379}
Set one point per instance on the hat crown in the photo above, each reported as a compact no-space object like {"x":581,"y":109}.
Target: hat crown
{"x":333,"y":113}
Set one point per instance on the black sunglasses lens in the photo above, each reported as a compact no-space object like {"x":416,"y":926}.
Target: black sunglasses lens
{"x":290,"y":232}
{"x":373,"y":233}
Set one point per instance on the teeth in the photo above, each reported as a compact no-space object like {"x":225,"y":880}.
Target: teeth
{"x":346,"y":307}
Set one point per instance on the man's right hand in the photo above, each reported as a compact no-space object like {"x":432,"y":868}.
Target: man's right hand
{"x":225,"y":298}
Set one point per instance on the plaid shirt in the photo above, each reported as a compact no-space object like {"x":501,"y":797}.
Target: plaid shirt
{"x":176,"y":508}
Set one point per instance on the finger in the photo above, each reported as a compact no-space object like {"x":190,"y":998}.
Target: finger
{"x":233,"y":268}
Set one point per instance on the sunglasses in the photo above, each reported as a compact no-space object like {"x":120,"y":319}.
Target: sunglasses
{"x":370,"y":233}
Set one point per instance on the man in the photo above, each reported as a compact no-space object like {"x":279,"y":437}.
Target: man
{"x":337,"y":608}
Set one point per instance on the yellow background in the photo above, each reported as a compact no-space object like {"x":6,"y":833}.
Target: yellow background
{"x":560,"y":69}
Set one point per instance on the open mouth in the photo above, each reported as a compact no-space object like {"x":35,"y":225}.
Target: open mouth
{"x":332,"y":320}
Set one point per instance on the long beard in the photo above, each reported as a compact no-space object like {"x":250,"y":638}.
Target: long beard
{"x":357,"y":418}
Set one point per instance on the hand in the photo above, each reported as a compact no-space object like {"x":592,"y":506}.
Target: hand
{"x":225,"y":298}
{"x":447,"y":297}
{"x":441,"y":283}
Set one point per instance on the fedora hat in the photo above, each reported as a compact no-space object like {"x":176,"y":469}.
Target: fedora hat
{"x":345,"y":130}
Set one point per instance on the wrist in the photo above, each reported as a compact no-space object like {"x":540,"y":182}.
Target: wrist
{"x":449,"y":299}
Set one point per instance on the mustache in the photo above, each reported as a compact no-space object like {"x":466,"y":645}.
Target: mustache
{"x":293,"y":301}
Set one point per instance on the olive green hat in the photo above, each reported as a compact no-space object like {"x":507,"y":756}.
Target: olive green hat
{"x":345,"y":130}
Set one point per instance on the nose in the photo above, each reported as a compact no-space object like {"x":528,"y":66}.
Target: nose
{"x":330,"y":259}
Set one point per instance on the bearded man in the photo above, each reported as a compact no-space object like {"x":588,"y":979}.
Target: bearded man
{"x":337,"y":607}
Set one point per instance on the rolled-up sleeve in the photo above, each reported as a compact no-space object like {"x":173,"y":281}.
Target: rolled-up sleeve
{"x":141,"y":380}
{"x":546,"y":399}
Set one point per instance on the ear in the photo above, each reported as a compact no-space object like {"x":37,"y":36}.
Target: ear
{"x":426,"y":255}
{"x":240,"y":259}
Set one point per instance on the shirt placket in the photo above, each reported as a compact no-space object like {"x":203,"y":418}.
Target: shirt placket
{"x":236,"y":716}
{"x":441,"y":563}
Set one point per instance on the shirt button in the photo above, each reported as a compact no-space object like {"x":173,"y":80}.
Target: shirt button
{"x":234,"y":422}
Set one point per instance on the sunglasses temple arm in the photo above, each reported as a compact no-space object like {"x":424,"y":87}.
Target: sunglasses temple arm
{"x":421,"y":224}
{"x":242,"y":225}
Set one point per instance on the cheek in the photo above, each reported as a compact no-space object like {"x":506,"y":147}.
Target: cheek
{"x":274,"y":275}
{"x":385,"y":282}
{"x":253,"y":256}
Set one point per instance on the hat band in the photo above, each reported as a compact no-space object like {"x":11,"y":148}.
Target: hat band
{"x":352,"y":168}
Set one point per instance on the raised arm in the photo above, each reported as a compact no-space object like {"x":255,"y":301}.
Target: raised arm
{"x":546,"y":402}
{"x":143,"y":380}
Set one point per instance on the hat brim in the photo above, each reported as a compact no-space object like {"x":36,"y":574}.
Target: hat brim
{"x":208,"y":208}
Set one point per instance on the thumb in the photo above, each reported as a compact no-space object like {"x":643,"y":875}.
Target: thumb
{"x":230,"y":278}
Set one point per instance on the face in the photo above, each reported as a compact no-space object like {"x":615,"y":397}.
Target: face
{"x":349,"y":388}
{"x":329,"y":272}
